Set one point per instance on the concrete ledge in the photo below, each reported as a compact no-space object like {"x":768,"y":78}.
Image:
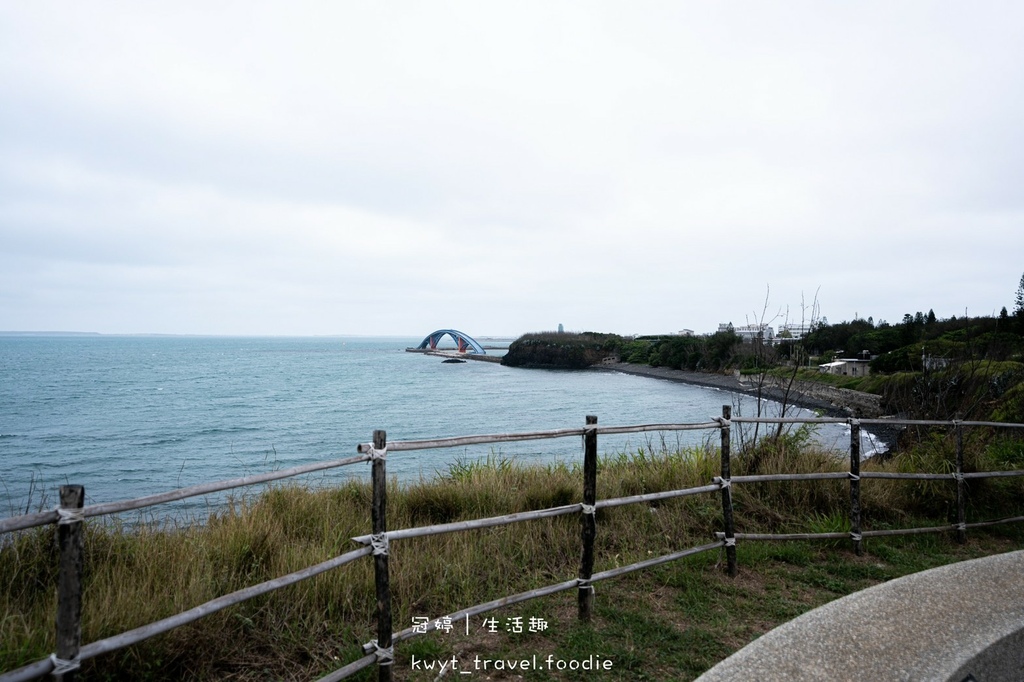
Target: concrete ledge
{"x":943,"y":624}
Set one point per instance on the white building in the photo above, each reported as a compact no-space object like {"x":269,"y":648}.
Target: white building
{"x":753,"y":333}
{"x":794,"y":331}
{"x":750,"y":332}
{"x":847,"y":367}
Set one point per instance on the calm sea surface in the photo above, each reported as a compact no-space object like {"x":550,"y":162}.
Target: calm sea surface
{"x":129,"y":416}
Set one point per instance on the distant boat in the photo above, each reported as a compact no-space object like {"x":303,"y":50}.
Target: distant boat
{"x":454,"y":361}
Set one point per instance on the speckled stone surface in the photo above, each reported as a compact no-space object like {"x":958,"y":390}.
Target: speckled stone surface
{"x":940,"y":624}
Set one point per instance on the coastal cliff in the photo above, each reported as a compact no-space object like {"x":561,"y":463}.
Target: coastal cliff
{"x":554,"y":350}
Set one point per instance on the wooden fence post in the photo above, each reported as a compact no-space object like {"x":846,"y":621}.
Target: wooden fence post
{"x":588,"y":519}
{"x":730,"y":529}
{"x":961,"y":492}
{"x":380,"y":555}
{"x":71,"y":545}
{"x":855,"y":486}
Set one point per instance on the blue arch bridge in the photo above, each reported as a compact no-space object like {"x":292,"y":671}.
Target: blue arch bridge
{"x":464,"y":342}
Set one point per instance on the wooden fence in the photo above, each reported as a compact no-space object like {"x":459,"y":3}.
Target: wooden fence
{"x":71,"y":514}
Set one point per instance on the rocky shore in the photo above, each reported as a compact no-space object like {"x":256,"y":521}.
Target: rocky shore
{"x":725,"y":382}
{"x":829,"y":400}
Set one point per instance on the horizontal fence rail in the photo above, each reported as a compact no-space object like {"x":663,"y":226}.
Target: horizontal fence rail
{"x":457,"y":526}
{"x":43,"y":518}
{"x":71,"y":514}
{"x":490,"y":439}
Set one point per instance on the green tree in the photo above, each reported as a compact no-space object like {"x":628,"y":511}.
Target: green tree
{"x":910,"y":329}
{"x":1003,"y":322}
{"x":1019,"y":301}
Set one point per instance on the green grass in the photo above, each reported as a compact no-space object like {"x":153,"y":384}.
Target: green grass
{"x":669,"y":622}
{"x":676,"y":621}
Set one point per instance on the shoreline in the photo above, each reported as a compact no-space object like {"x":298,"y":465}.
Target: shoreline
{"x":731,"y":383}
{"x":725,"y":382}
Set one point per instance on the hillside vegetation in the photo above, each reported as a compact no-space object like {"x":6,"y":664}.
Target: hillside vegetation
{"x":923,"y":367}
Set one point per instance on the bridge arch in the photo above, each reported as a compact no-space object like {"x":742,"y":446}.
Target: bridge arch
{"x":465,"y":342}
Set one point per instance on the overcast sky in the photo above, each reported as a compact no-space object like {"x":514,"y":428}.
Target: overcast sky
{"x":395,"y":168}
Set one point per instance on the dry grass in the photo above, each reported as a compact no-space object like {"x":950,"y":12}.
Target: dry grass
{"x":139,"y":575}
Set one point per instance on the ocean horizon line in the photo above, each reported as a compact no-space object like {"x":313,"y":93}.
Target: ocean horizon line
{"x":488,"y":337}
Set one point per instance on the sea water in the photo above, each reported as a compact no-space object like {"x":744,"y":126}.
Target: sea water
{"x":127,"y":416}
